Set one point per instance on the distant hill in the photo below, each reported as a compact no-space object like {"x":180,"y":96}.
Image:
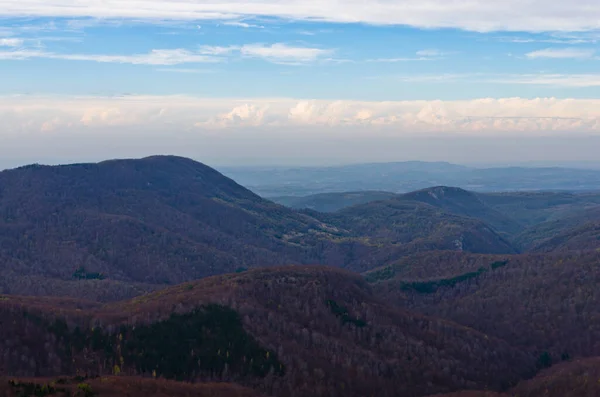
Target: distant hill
{"x":292,"y":331}
{"x":403,"y":177}
{"x":533,"y":208}
{"x":331,"y":202}
{"x":407,"y":227}
{"x":575,"y":229}
{"x":577,"y":238}
{"x":436,"y":265}
{"x":461,"y":202}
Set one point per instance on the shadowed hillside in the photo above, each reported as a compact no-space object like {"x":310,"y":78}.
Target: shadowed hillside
{"x":116,"y":386}
{"x":580,"y":378}
{"x":405,"y":227}
{"x":461,"y":202}
{"x":294,"y":331}
{"x":546,"y":302}
{"x":331,"y":202}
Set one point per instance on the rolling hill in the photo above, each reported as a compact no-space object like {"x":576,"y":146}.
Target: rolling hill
{"x":404,"y":227}
{"x":331,"y":202}
{"x":117,"y":386}
{"x":124,"y":227}
{"x":291,"y":331}
{"x":158,"y":220}
{"x":576,"y":230}
{"x":548,"y":302}
{"x":461,"y":202}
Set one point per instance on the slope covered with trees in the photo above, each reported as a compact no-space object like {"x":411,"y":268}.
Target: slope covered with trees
{"x":293,"y":331}
{"x":131,"y":226}
{"x":546,"y":302}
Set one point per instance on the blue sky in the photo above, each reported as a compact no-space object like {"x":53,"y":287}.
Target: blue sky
{"x":379,"y":68}
{"x":257,"y":57}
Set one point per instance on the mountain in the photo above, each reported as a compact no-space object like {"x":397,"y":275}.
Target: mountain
{"x":533,"y":208}
{"x":548,"y":302}
{"x":461,"y":202}
{"x":402,"y":228}
{"x":158,"y":220}
{"x":436,"y":265}
{"x":291,"y":331}
{"x":577,"y":229}
{"x":120,"y":228}
{"x":331,"y":202}
{"x":584,"y":237}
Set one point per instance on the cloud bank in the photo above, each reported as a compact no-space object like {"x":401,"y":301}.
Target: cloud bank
{"x":480,"y":117}
{"x":562,"y":53}
{"x":474,"y":15}
{"x":280,"y":53}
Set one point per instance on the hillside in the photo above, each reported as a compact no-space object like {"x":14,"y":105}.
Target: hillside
{"x":117,"y":386}
{"x":584,"y":237}
{"x":292,"y":331}
{"x":406,"y":227}
{"x":547,"y":302}
{"x":436,"y":265}
{"x":158,"y":220}
{"x":533,"y":208}
{"x":578,"y":229}
{"x":579,"y":378}
{"x":331,"y":202}
{"x":124,"y":227}
{"x":461,"y":202}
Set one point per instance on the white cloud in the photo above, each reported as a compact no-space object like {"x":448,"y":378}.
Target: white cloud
{"x":562,"y":53}
{"x":431,"y":53}
{"x":400,"y":59}
{"x":244,"y":25}
{"x":542,"y":79}
{"x":187,"y":71}
{"x":474,"y":15}
{"x":218,"y":50}
{"x":423,"y":55}
{"x":485,"y":117}
{"x":11,"y":42}
{"x":155,"y":57}
{"x":556,"y":80}
{"x":277,"y":53}
{"x":282,"y":53}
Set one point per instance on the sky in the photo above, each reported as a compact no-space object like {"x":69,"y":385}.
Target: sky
{"x":301,"y":82}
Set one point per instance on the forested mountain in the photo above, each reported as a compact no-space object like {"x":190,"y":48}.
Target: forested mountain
{"x":547,"y":302}
{"x":117,"y":386}
{"x":292,"y":331}
{"x":331,"y":202}
{"x":156,"y":220}
{"x":408,"y":227}
{"x":468,"y":204}
{"x":162,"y":220}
